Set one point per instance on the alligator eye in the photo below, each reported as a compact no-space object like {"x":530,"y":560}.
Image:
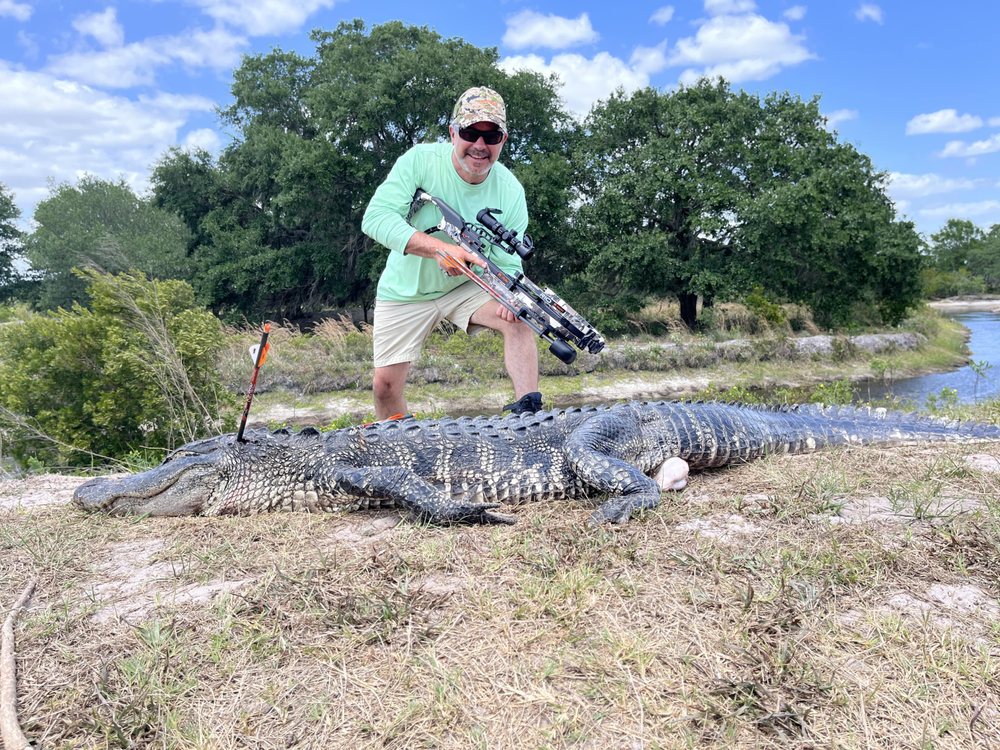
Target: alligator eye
{"x":179,"y":453}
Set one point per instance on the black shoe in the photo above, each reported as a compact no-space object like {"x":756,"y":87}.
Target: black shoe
{"x":529,"y":403}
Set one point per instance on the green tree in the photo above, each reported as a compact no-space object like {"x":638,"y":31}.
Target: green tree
{"x":188,"y":184}
{"x":985,"y":259}
{"x":135,"y":371}
{"x":10,"y":243}
{"x":707,"y":193}
{"x":661,"y":185}
{"x":101,"y":225}
{"x":824,"y":234}
{"x":278,"y":224}
{"x":952,"y":245}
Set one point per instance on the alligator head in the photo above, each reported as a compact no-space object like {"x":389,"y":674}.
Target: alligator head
{"x":183,"y":485}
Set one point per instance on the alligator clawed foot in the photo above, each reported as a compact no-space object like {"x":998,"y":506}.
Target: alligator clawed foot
{"x":619,"y":510}
{"x":497,"y":518}
{"x":468,"y":512}
{"x":608,"y":513}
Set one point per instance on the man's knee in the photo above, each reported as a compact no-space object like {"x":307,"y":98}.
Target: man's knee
{"x":387,"y":384}
{"x":382,"y":387}
{"x":513,"y":329}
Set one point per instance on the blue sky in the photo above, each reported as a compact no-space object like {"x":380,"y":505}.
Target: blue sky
{"x":106,"y":88}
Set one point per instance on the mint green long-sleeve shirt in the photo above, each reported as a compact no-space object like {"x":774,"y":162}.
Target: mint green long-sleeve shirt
{"x":410,"y":278}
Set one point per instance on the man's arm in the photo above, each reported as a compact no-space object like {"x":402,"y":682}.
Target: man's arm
{"x":385,"y":218}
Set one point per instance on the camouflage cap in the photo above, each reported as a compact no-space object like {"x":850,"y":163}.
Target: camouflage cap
{"x":480,"y":104}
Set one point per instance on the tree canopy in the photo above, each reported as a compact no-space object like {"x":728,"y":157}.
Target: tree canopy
{"x":962,"y":258}
{"x":708,"y":192}
{"x":101,"y":225}
{"x":11,"y":239}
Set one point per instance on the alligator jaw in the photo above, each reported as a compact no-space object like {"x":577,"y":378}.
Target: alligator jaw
{"x":181,"y":487}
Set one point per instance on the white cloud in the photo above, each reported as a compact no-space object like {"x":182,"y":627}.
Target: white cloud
{"x":584,"y":80}
{"x":739,"y":48}
{"x":15,"y":10}
{"x":59,"y":130}
{"x":869,"y":12}
{"x":943,"y":121}
{"x":28,"y":43}
{"x":531,"y":29}
{"x":103,"y":27}
{"x":833,"y":119}
{"x":728,"y":7}
{"x":922,"y":185}
{"x":178,"y":102}
{"x":262,"y":17}
{"x":963,"y":210}
{"x":976,"y":148}
{"x":795,"y":13}
{"x":649,"y":60}
{"x":662,"y":16}
{"x":215,"y":48}
{"x":203,"y":138}
{"x":136,"y":64}
{"x":121,"y":67}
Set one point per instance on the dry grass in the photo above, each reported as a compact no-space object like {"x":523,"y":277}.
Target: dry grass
{"x":846,"y":599}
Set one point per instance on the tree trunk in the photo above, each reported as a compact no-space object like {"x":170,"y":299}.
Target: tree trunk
{"x":689,"y":309}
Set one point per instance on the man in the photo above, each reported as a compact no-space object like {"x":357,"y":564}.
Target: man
{"x":416,"y":290}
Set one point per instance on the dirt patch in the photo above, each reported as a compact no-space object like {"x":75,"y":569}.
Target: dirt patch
{"x":961,"y":608}
{"x":874,"y":510}
{"x":966,"y":305}
{"x":367,"y":531}
{"x":131,"y":585}
{"x":37,"y":491}
{"x":729,"y":528}
{"x":984,"y":462}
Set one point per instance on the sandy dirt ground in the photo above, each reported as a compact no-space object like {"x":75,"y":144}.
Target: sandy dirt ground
{"x":966,"y":305}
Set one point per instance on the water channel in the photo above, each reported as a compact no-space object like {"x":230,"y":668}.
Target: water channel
{"x":977,"y":381}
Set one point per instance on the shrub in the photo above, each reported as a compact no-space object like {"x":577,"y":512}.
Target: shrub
{"x":836,"y":392}
{"x":937,"y":284}
{"x":771,"y":312}
{"x":134,"y":373}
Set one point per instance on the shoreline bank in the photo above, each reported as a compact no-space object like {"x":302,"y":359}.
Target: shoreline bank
{"x":961,"y":305}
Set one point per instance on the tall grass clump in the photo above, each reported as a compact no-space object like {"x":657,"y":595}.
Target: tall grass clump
{"x":335,"y":355}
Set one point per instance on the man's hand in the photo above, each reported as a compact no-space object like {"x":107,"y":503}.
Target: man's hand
{"x":461,"y":255}
{"x":431,"y":247}
{"x":505,"y":314}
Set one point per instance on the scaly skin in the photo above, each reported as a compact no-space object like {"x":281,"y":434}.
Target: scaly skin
{"x":460,"y":470}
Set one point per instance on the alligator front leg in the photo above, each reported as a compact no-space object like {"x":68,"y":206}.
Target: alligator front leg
{"x":406,"y":489}
{"x":600,"y":451}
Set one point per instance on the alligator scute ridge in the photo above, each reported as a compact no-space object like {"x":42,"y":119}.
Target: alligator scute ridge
{"x":461,"y":469}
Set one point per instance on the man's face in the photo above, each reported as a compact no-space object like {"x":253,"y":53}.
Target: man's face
{"x":473,"y":160}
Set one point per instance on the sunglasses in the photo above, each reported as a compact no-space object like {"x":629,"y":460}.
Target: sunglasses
{"x":490,"y":137}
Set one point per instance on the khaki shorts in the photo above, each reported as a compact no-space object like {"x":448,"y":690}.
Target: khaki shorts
{"x":402,"y":327}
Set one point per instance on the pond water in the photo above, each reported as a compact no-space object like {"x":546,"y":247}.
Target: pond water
{"x":977,"y":381}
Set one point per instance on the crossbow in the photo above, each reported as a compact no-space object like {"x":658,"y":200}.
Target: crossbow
{"x":542,"y":310}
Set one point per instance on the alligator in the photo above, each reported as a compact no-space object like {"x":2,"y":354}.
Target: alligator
{"x":462,"y":469}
